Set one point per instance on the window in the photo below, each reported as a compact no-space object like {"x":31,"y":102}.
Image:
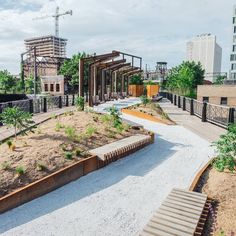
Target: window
{"x":224,"y":101}
{"x":205,"y":99}
{"x":52,"y":87}
{"x":234,"y":48}
{"x":57,"y":87}
{"x":233,"y":66}
{"x":46,"y":87}
{"x":233,"y":57}
{"x":234,"y":29}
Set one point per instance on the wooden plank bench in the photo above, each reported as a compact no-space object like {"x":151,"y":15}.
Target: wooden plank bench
{"x":183,"y":213}
{"x":116,"y":150}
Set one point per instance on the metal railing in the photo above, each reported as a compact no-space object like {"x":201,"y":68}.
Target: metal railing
{"x":197,"y":108}
{"x":187,"y":104}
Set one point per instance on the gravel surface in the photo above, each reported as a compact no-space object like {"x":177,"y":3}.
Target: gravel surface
{"x":118,"y":199}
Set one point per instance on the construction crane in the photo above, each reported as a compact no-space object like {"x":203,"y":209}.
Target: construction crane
{"x":56,"y":16}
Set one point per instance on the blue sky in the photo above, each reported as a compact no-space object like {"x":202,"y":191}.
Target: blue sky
{"x":157,"y":30}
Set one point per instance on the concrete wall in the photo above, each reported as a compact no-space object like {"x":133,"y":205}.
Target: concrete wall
{"x":216,"y":92}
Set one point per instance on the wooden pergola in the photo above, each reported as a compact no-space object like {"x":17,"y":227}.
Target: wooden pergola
{"x":107,"y":73}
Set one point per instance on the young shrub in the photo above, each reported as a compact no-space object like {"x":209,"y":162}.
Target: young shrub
{"x":58,"y":127}
{"x":71,"y":133}
{"x":53,"y":116}
{"x":16,"y":118}
{"x":90,"y":131}
{"x":9,"y":143}
{"x":115,"y":114}
{"x":145,"y":100}
{"x":20,"y":170}
{"x":79,"y":103}
{"x":226,"y":148}
{"x":78,"y":152}
{"x":5,"y":166}
{"x":68,"y":155}
{"x":41,"y":166}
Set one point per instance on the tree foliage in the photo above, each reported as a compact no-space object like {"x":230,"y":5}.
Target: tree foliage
{"x":185,"y":77}
{"x":7,"y":81}
{"x":219,"y":80}
{"x":16,"y":118}
{"x":136,"y":80}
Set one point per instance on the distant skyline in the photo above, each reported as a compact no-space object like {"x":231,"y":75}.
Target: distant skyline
{"x":156,"y":30}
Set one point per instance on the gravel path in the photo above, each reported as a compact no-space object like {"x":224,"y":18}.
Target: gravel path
{"x":118,"y":199}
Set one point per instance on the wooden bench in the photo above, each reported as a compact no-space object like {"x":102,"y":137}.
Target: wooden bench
{"x":183,"y":213}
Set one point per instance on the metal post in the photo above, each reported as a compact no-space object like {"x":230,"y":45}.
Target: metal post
{"x":22,"y":75}
{"x":10,"y":104}
{"x":231,"y":115}
{"x":35,"y":73}
{"x":60,"y":102}
{"x":1,"y":124}
{"x":175,"y":99}
{"x":73,"y":100}
{"x":172,"y":98}
{"x":67,"y":100}
{"x":179,"y":101}
{"x":184,"y":104}
{"x":204,"y":112}
{"x":45,"y":109}
{"x":191,"y":107}
{"x":31,"y":106}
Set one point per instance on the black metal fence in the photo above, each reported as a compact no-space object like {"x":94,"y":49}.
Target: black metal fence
{"x":40,"y":105}
{"x":216,"y":114}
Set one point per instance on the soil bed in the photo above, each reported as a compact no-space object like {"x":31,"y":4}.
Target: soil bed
{"x":55,"y":144}
{"x":153,"y":110}
{"x":221,"y":187}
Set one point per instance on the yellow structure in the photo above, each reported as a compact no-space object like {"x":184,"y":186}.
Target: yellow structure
{"x":152,"y":90}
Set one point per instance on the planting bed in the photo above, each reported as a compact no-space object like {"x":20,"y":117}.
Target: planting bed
{"x":54,"y":145}
{"x":151,"y":111}
{"x":221,"y":188}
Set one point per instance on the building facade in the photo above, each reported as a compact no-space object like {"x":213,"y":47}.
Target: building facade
{"x":217,"y":94}
{"x":53,"y":85}
{"x":233,"y":50}
{"x":204,"y":49}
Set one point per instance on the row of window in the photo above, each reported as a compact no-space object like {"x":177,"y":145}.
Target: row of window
{"x":46,"y":89}
{"x":233,"y":66}
{"x":233,"y":57}
{"x":223,"y":100}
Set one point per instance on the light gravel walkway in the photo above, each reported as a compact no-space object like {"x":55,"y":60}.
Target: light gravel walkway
{"x":118,"y":199}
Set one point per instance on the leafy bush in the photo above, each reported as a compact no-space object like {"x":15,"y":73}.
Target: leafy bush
{"x":136,"y":80}
{"x":115,"y":114}
{"x":9,"y":143}
{"x":78,"y":152}
{"x":79,"y":102}
{"x":15,"y":117}
{"x":70,"y":132}
{"x":20,"y":170}
{"x":69,"y":155}
{"x":226,"y":148}
{"x":145,"y":100}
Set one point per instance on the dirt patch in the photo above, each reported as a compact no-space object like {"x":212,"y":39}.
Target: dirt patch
{"x":221,"y":187}
{"x":55,"y":144}
{"x":153,"y":110}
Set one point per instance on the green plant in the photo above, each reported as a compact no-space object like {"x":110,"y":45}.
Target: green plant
{"x":78,"y":152}
{"x":136,"y":80}
{"x":53,"y":116}
{"x":9,"y":143}
{"x":58,"y":126}
{"x":69,"y":155}
{"x":145,"y":100}
{"x":115,"y":114}
{"x":90,"y":131}
{"x":15,"y":117}
{"x":20,"y":170}
{"x":41,"y":166}
{"x":70,"y":132}
{"x":226,"y":148}
{"x":5,"y":166}
{"x":79,"y":103}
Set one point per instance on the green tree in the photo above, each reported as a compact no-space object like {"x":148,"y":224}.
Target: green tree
{"x":29,"y":85}
{"x":79,"y":103}
{"x":219,"y":80}
{"x":136,"y":80}
{"x":7,"y":81}
{"x":185,"y":78}
{"x":70,"y":69}
{"x":16,"y":118}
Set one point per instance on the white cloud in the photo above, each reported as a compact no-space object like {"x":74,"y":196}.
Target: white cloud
{"x":157,"y":30}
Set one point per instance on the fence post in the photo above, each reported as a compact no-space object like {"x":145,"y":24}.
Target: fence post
{"x":175,"y":99}
{"x":179,"y":102}
{"x":10,"y":104}
{"x":231,"y":115}
{"x":184,"y":104}
{"x":67,"y":100}
{"x":45,"y":105}
{"x":1,"y":124}
{"x":191,"y":107}
{"x":73,"y":100}
{"x":204,"y":112}
{"x":31,"y":106}
{"x":171,"y":97}
{"x":60,"y":102}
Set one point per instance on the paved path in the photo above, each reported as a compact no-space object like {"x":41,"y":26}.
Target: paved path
{"x":205,"y":130}
{"x":120,"y":198}
{"x":38,"y":118}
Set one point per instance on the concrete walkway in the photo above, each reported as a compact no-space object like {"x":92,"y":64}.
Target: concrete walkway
{"x":205,"y":130}
{"x":119,"y":199}
{"x":38,"y":118}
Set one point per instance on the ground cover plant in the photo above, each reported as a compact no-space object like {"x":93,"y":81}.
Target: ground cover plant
{"x":57,"y":143}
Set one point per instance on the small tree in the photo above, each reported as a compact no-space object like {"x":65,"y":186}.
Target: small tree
{"x":115,"y":114}
{"x":219,"y":80}
{"x":7,"y":81}
{"x":145,"y":100}
{"x":136,"y":80}
{"x":79,"y":103}
{"x":16,"y":118}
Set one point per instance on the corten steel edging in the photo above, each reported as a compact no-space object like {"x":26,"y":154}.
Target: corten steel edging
{"x":65,"y":176}
{"x":48,"y":183}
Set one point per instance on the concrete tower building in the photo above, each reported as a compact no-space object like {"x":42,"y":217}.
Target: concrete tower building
{"x":233,"y":52}
{"x":204,"y":49}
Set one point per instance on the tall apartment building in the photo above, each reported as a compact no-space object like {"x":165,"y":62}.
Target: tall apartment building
{"x":50,"y":53}
{"x":233,"y":51}
{"x":204,"y":49}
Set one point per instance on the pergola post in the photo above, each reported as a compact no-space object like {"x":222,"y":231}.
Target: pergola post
{"x":81,"y":77}
{"x":122,"y":83}
{"x":115,"y":81}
